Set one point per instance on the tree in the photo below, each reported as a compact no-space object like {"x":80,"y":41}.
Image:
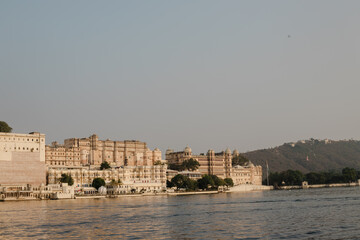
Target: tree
{"x":98,"y":182}
{"x":181,"y":181}
{"x":115,"y":183}
{"x":191,"y":164}
{"x":206,"y":182}
{"x":349,"y":174}
{"x":67,"y":179}
{"x":169,"y":184}
{"x":176,"y":167}
{"x":291,"y":177}
{"x":239,"y":160}
{"x":229,"y":182}
{"x":217,"y":181}
{"x":104,"y":165}
{"x":4,"y":127}
{"x":158,"y":162}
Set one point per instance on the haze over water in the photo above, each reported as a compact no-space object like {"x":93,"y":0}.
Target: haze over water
{"x":299,"y":214}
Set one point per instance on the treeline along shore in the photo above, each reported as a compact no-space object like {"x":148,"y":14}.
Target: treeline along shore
{"x":293,"y":179}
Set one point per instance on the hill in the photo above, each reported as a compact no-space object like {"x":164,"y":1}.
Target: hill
{"x":308,"y":156}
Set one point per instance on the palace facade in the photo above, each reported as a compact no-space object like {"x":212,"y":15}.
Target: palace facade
{"x":22,"y":158}
{"x":219,"y":164}
{"x":92,"y":151}
{"x":132,"y":162}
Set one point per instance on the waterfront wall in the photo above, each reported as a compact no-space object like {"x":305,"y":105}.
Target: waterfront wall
{"x":23,"y":168}
{"x":321,"y":186}
{"x":249,"y":187}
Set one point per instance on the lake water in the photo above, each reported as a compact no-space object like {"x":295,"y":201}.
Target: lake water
{"x":329,"y":213}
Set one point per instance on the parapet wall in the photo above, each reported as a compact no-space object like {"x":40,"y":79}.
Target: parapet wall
{"x":22,"y":168}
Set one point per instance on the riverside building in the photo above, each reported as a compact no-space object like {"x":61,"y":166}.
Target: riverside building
{"x":219,"y":164}
{"x":92,"y":151}
{"x":132,"y":162}
{"x":22,"y":159}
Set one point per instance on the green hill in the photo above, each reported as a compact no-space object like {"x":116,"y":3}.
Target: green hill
{"x":309,"y":155}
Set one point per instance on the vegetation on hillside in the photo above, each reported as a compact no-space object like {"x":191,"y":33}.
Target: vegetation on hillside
{"x":309,"y":156}
{"x":239,"y":160}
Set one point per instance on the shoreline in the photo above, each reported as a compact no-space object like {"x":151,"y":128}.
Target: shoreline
{"x":239,"y":188}
{"x":330,"y":185}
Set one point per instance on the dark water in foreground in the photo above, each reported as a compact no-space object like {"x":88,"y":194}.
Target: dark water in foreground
{"x":299,"y":214}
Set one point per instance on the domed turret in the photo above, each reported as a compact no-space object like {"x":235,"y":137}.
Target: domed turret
{"x":250,"y":164}
{"x":156,"y":150}
{"x":228,"y":151}
{"x":210,"y":152}
{"x":168,"y":151}
{"x":187,"y":149}
{"x":235,"y":152}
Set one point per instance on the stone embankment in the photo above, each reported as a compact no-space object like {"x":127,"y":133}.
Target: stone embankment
{"x":305,"y":185}
{"x":249,"y":188}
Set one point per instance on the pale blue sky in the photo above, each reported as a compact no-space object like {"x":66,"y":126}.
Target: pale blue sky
{"x":208,"y":74}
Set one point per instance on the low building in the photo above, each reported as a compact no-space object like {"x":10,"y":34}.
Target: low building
{"x":249,"y":174}
{"x":22,"y":159}
{"x":136,"y":178}
{"x":24,"y":192}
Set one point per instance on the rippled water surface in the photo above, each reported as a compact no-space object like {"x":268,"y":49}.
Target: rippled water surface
{"x":298,"y":214}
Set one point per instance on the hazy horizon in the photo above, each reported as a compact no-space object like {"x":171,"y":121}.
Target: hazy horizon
{"x":208,"y":74}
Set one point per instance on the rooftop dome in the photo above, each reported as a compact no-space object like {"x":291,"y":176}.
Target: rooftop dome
{"x":156,"y":149}
{"x":235,"y":152}
{"x":250,"y":164}
{"x":228,"y":151}
{"x":187,"y":149}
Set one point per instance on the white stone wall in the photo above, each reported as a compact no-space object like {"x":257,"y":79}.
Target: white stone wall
{"x":22,"y":158}
{"x":15,"y":142}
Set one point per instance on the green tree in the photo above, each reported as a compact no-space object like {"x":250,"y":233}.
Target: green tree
{"x":169,"y":184}
{"x":98,"y":182}
{"x":104,"y":165}
{"x":206,"y":182}
{"x":181,"y":181}
{"x":4,"y":127}
{"x":291,"y":177}
{"x":158,"y":162}
{"x":115,"y":183}
{"x":218,"y":181}
{"x":349,"y":174}
{"x":229,"y":182}
{"x":67,"y":179}
{"x":191,"y":164}
{"x":315,"y":178}
{"x":176,"y":167}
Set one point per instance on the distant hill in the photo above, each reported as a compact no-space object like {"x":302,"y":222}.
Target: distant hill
{"x":309,"y":155}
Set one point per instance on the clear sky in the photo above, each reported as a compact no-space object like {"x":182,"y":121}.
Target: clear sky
{"x":208,"y":74}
